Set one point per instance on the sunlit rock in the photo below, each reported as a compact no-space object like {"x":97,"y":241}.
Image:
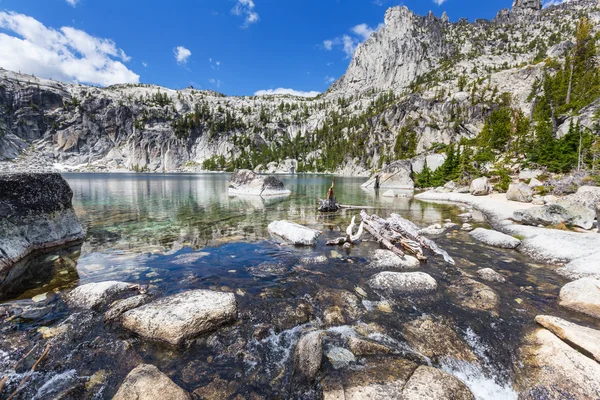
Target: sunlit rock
{"x":146,"y":382}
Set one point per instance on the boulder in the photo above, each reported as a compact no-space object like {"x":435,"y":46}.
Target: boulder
{"x":119,"y":307}
{"x":495,"y":238}
{"x":519,"y":192}
{"x":551,"y":366}
{"x":181,"y":316}
{"x":435,"y":339}
{"x":580,"y":214}
{"x":473,"y":295}
{"x":35,"y":213}
{"x":386,"y":259}
{"x":362,"y":347}
{"x":146,"y":382}
{"x":432,"y":383}
{"x":549,"y":214}
{"x":434,"y":161}
{"x":308,"y":355}
{"x":93,"y":295}
{"x":587,"y":340}
{"x":533,"y":183}
{"x":246,"y":182}
{"x":480,"y":187}
{"x":403,"y":283}
{"x":340,"y":357}
{"x":527,"y":174}
{"x":488,"y":274}
{"x":294,"y":233}
{"x":397,"y":175}
{"x":582,"y":295}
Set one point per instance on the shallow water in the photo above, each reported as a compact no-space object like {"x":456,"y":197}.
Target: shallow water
{"x":179,"y":232}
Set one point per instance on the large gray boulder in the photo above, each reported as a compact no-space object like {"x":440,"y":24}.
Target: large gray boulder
{"x":93,"y":295}
{"x":581,"y":206}
{"x":35,"y":213}
{"x":519,"y":192}
{"x":146,"y":382}
{"x":480,"y":187}
{"x":294,"y":233}
{"x":495,"y":238}
{"x":549,"y":214}
{"x":182,"y":316}
{"x":397,"y":175}
{"x":386,"y":259}
{"x":403,"y":283}
{"x":582,"y":295}
{"x":246,"y":182}
{"x":432,"y":383}
{"x":308,"y":355}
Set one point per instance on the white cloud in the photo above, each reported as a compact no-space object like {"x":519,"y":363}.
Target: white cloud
{"x":145,"y":64}
{"x":439,"y":2}
{"x":67,"y":54}
{"x":548,"y":3}
{"x":181,"y":54}
{"x":245,"y":8}
{"x":73,"y":2}
{"x":329,"y":79}
{"x":286,"y":91}
{"x":216,"y":82}
{"x":348,"y":43}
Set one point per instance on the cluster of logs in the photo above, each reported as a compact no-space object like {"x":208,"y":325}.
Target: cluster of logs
{"x":391,"y":232}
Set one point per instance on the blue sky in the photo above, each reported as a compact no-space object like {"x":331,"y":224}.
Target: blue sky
{"x":237,"y":47}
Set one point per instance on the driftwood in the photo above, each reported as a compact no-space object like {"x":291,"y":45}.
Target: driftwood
{"x":350,"y":237}
{"x":30,"y":373}
{"x":373,"y":230}
{"x":404,"y":232}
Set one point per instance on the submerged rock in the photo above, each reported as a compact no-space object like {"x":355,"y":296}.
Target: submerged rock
{"x":35,"y":213}
{"x":218,"y":389}
{"x":93,"y":295}
{"x":395,"y":176}
{"x":582,"y":295}
{"x":585,"y":339}
{"x":473,"y":295}
{"x":294,"y":233}
{"x":146,"y":382}
{"x":520,"y":192}
{"x":361,"y":347}
{"x":182,"y":316}
{"x":246,"y":182}
{"x":434,"y":338}
{"x":495,"y":238}
{"x":268,"y":269}
{"x":387,"y":259}
{"x":308,"y":355}
{"x":488,"y":274}
{"x":339,"y":357}
{"x":432,"y":383}
{"x":480,"y":187}
{"x":118,"y":308}
{"x":403,"y":283}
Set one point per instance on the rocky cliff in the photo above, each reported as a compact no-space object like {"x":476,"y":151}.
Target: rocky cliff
{"x":419,"y":83}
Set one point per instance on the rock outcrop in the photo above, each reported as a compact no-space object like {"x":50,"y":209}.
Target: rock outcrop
{"x":403,"y":283}
{"x":93,"y":295}
{"x":35,"y":213}
{"x":246,"y":182}
{"x":182,"y":316}
{"x":495,"y":238}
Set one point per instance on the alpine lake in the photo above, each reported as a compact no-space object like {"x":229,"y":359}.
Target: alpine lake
{"x":176,"y":232}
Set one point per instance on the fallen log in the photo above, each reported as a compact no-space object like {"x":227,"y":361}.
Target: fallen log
{"x":380,"y":239}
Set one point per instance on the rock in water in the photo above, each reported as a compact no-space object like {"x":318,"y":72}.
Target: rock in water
{"x":473,"y":295}
{"x":431,"y":383}
{"x":403,"y":283}
{"x":246,"y":182}
{"x":309,"y":355}
{"x":488,"y":274}
{"x":495,"y":238}
{"x":582,"y":295}
{"x":93,"y":295}
{"x":480,"y":187}
{"x":146,"y":382}
{"x":519,"y":192}
{"x":396,"y":176}
{"x":386,"y":259}
{"x":294,"y":233}
{"x":35,"y":213}
{"x":586,"y":339}
{"x":182,"y":316}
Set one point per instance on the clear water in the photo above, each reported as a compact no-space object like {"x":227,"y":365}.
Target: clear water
{"x":176,"y":232}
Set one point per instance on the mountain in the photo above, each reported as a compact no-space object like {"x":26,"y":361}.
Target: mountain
{"x":418,"y":85}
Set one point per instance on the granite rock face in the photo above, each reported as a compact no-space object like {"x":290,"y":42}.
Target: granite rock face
{"x":397,"y":175}
{"x":35,"y":213}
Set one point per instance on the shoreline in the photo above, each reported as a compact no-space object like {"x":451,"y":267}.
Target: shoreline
{"x":549,"y":246}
